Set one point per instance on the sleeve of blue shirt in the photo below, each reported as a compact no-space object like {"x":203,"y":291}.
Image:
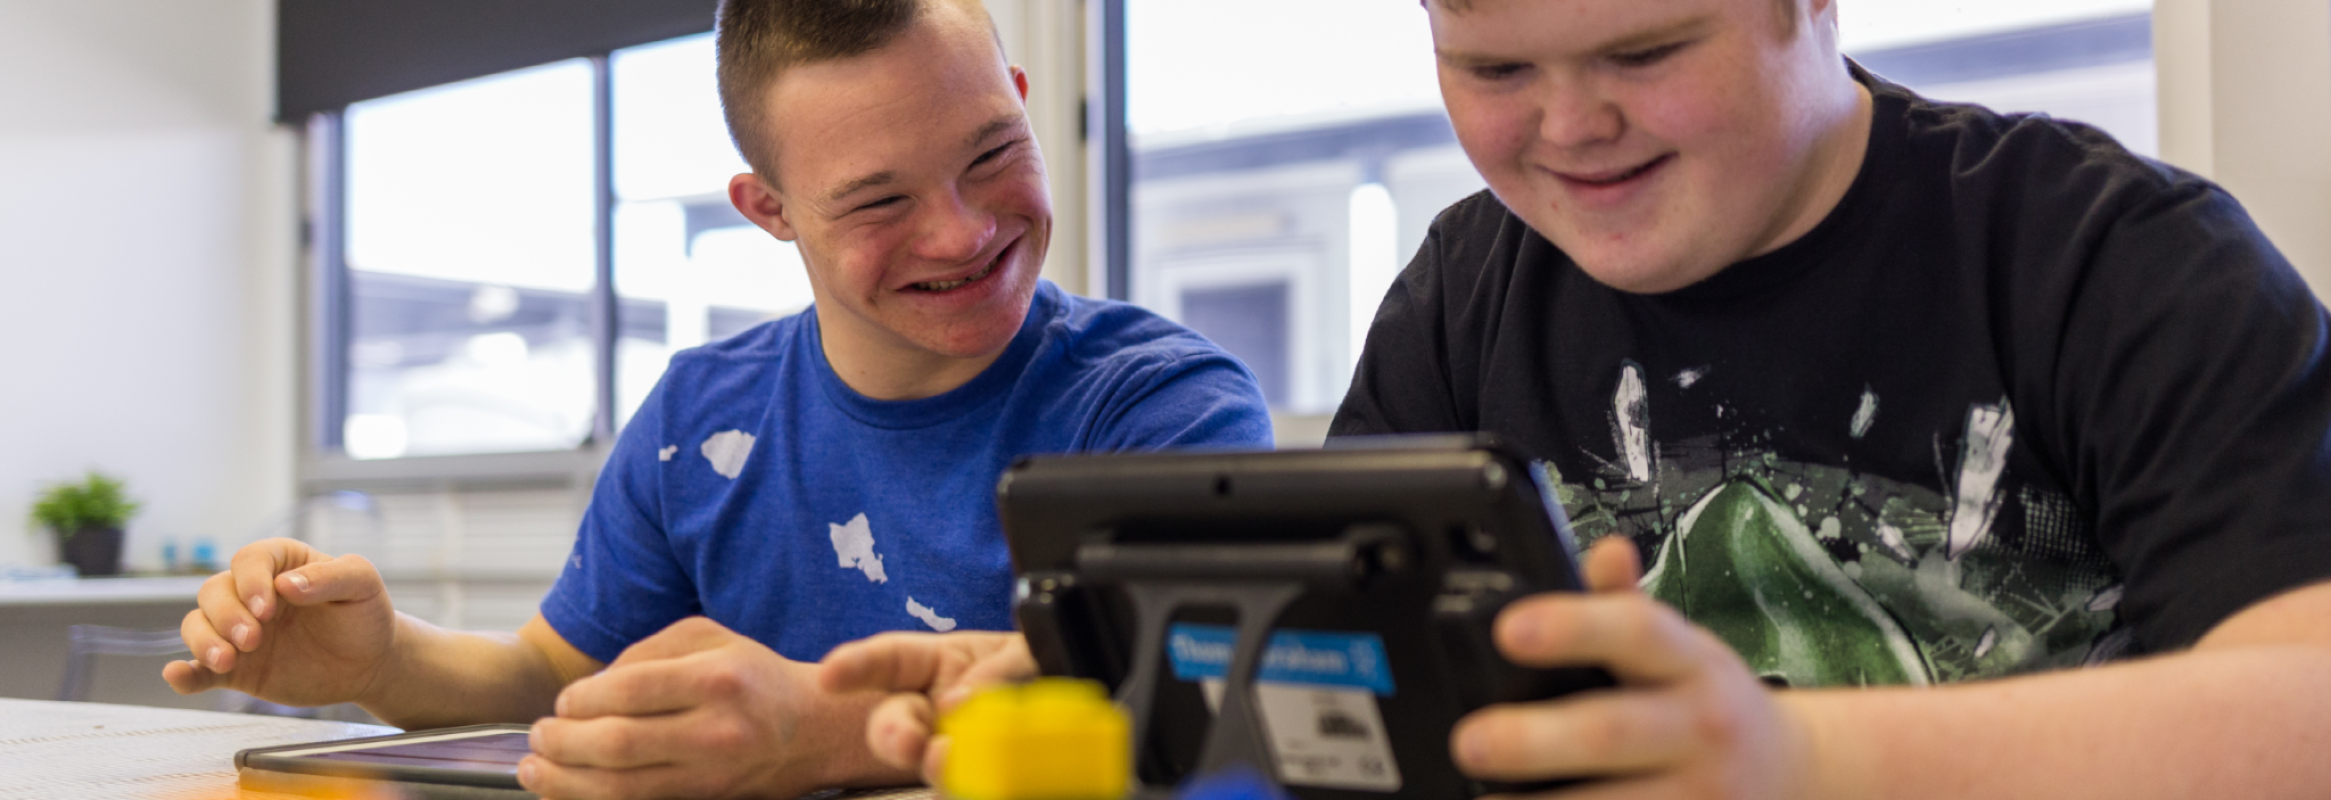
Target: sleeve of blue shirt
{"x":1206,"y":401}
{"x":621,"y":583}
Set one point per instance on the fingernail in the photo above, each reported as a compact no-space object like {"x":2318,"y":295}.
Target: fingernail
{"x":526,"y":772}
{"x":242,"y":636}
{"x":560,"y":707}
{"x":258,"y":606}
{"x":1469,"y":748}
{"x":534,"y":738}
{"x":216,"y":655}
{"x":299,"y":581}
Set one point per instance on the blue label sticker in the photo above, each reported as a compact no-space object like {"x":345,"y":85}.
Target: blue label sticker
{"x":1318,"y":658}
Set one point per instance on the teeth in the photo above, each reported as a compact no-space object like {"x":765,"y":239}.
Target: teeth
{"x":941,"y":286}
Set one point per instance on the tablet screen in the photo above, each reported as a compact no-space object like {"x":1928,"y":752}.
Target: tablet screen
{"x":473,"y":751}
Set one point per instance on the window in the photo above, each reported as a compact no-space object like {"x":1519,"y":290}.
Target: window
{"x":1278,"y":181}
{"x":470,"y":266}
{"x":472,"y":252}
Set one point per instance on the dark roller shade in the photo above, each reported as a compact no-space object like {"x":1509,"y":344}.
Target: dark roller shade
{"x":330,"y":53}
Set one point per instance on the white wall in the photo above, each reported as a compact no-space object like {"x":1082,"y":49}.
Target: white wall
{"x":147,"y":265}
{"x":2246,"y":101}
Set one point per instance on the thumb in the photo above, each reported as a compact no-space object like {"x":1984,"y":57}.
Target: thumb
{"x":338,"y":580}
{"x":1613,"y":565}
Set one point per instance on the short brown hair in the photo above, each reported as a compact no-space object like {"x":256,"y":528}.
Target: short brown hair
{"x":759,"y":39}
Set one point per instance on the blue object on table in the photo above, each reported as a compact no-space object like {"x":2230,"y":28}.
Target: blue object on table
{"x":206,"y":556}
{"x":169,"y":555}
{"x":1237,"y":782}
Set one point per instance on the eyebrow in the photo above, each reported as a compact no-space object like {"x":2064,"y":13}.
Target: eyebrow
{"x":861,"y":184}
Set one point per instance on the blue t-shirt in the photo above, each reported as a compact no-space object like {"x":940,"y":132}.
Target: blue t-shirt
{"x":756,"y":488}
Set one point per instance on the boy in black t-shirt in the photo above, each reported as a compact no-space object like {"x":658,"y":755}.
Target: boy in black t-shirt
{"x":1893,"y":393}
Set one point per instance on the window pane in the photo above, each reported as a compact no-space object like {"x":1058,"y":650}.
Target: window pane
{"x":2085,"y":60}
{"x":470,"y":256}
{"x":688,"y":268}
{"x":1277,"y":193}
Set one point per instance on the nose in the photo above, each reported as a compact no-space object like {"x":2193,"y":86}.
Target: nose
{"x":954,"y":230}
{"x":1574,"y":113}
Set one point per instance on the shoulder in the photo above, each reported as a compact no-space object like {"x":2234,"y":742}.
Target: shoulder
{"x":1087,"y":333}
{"x":736,"y":368}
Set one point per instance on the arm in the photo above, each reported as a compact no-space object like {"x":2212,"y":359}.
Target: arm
{"x":700,"y":711}
{"x":288,"y":624}
{"x":2246,"y":711}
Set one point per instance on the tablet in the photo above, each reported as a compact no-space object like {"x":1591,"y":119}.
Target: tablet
{"x":478,"y":761}
{"x":1322,"y":616}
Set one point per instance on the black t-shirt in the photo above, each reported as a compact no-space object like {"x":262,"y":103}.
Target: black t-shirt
{"x":2023,"y":400}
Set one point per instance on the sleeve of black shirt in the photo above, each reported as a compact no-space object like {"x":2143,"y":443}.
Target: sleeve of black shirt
{"x":2192,"y":399}
{"x":1403,"y":383}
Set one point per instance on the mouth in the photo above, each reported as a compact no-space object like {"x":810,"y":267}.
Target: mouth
{"x":938,"y":287}
{"x":1602,"y":179}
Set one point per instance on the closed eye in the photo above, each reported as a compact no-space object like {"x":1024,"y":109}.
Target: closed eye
{"x":1648,"y":56}
{"x":1497,"y":72}
{"x":886,"y":201}
{"x":996,"y":153}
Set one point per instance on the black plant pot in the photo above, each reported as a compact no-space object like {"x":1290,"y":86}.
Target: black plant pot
{"x":94,"y":551}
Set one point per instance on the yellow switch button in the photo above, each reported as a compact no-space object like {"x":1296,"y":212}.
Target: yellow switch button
{"x":1049,"y":739}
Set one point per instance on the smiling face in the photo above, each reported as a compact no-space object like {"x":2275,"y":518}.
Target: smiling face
{"x":1655,"y":141}
{"x":910,"y":179}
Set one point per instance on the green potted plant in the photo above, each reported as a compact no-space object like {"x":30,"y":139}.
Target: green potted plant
{"x":87,"y":517}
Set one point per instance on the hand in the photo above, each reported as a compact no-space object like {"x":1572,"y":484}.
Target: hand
{"x":1687,"y":719}
{"x":288,"y":624}
{"x":696,"y":710}
{"x":926,"y":674}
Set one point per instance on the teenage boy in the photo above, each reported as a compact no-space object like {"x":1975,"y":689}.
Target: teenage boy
{"x":815,"y":480}
{"x":1895,"y":393}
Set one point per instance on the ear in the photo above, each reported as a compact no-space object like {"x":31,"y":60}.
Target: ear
{"x":1020,"y":82}
{"x":762,"y":204}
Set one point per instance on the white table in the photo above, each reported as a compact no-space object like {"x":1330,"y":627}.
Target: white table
{"x":101,"y":752}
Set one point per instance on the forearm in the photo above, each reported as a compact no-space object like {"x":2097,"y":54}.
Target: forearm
{"x":2250,"y":721}
{"x":437,"y":678}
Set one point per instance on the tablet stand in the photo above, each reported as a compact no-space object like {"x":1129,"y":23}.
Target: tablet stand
{"x":1258,"y":582}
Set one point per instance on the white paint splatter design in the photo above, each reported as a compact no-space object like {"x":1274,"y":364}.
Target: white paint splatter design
{"x":667,"y":453}
{"x":1990,"y":640}
{"x":1982,"y":459}
{"x":727,"y":451}
{"x":930,"y":617}
{"x":1691,"y":376}
{"x":2105,"y":599}
{"x":1868,"y":413}
{"x":854,"y":547}
{"x":1631,"y":419}
{"x":1895,"y":544}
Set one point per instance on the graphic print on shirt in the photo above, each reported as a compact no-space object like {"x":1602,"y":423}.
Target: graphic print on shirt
{"x":929,"y":616}
{"x":727,"y":451}
{"x":854,"y":547}
{"x":1822,"y":575}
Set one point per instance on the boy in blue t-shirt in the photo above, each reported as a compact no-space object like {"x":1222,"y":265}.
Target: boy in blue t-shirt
{"x":815,"y":480}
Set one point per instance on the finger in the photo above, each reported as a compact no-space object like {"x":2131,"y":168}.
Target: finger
{"x":688,"y":636}
{"x":899,"y":730}
{"x":190,"y":677}
{"x":199,"y":629}
{"x":1614,"y":565}
{"x":254,"y":568}
{"x":1009,"y":663}
{"x":550,"y":779}
{"x":935,"y":760}
{"x":606,"y":742}
{"x":346,"y":579}
{"x":888,"y":662}
{"x":226,"y":618}
{"x":651,"y":687}
{"x":1638,"y":639}
{"x":1600,"y":733}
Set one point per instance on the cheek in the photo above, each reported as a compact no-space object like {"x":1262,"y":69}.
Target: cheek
{"x":1495,"y":134}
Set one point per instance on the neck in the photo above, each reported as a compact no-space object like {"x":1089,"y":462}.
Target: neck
{"x":1835,"y":160}
{"x":874,"y":365}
